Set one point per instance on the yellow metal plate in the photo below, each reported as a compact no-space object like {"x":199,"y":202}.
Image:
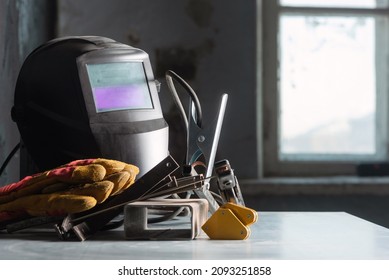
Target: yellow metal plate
{"x":223,"y":224}
{"x":246,"y":215}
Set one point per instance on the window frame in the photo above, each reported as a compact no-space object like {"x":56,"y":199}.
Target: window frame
{"x":271,"y":165}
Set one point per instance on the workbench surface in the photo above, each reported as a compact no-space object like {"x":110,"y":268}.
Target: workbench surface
{"x":276,"y":235}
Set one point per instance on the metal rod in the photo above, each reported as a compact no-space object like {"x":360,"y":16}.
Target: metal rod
{"x":180,"y":189}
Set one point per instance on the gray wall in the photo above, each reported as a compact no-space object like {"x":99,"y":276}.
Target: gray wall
{"x":211,"y":43}
{"x":24,"y":25}
{"x":10,"y":60}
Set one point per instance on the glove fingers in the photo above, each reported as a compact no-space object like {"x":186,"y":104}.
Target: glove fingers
{"x":74,"y":175}
{"x":100,"y":191}
{"x":27,"y":190}
{"x":50,"y":204}
{"x":110,"y":165}
{"x":79,"y":174}
{"x":133,"y":171}
{"x":56,"y":187}
{"x":119,"y":180}
{"x":62,"y":204}
{"x":26,"y":181}
{"x":129,"y":182}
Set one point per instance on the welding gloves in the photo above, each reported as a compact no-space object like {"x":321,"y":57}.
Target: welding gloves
{"x":72,"y":188}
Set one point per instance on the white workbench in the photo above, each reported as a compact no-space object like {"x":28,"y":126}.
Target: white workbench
{"x":277,"y":235}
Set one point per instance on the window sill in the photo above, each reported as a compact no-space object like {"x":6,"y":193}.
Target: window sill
{"x":342,"y":185}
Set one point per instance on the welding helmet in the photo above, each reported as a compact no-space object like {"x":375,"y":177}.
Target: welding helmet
{"x":88,"y":97}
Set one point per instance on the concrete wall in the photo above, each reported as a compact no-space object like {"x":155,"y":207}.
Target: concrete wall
{"x":9,"y":57}
{"x":211,"y":43}
{"x":24,"y":24}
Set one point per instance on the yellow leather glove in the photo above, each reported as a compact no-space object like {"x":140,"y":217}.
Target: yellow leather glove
{"x":75,"y":187}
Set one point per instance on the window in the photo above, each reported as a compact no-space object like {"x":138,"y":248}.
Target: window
{"x":325,"y":86}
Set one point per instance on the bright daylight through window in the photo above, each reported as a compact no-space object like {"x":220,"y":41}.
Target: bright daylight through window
{"x":332,"y":79}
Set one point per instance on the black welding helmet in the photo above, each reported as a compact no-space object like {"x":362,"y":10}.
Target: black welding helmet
{"x":87,"y":97}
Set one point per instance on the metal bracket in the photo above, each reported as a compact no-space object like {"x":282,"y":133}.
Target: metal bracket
{"x":136,"y":219}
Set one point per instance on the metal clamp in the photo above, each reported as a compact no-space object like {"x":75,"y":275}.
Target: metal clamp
{"x":228,"y":183}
